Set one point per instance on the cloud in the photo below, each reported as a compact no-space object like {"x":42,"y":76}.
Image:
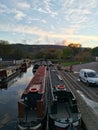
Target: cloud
{"x":77,"y":16}
{"x":30,"y":20}
{"x":47,"y":11}
{"x":19,"y":15}
{"x":87,"y":4}
{"x":65,"y":19}
{"x":44,"y":7}
{"x":39,"y":20}
{"x":3,"y":8}
{"x":70,"y":30}
{"x":23,"y":5}
{"x":48,"y":8}
{"x":79,"y":12}
{"x":42,"y":34}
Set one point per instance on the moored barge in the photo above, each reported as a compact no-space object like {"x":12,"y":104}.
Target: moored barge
{"x":24,"y":66}
{"x":35,"y":67}
{"x":8,"y":73}
{"x":63,"y":111}
{"x":32,"y":108}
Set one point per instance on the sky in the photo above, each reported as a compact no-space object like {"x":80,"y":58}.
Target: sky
{"x":58,"y":22}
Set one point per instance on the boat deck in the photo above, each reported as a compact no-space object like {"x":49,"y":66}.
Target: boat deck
{"x":64,"y":111}
{"x":32,"y":115}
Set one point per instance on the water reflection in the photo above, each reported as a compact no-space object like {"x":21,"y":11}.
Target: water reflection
{"x":10,"y":82}
{"x":10,"y":93}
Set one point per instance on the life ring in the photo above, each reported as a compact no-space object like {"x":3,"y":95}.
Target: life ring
{"x":33,"y":90}
{"x":60,"y":86}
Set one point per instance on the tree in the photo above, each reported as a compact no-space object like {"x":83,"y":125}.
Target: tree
{"x":84,"y":56}
{"x":3,"y":42}
{"x":67,"y":53}
{"x":49,"y":54}
{"x":75,"y":47}
{"x":5,"y":49}
{"x":95,"y":51}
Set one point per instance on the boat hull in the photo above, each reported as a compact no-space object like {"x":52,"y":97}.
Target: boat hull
{"x":41,"y":125}
{"x":22,"y":127}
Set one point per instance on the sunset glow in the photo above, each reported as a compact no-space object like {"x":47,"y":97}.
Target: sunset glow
{"x":49,"y":21}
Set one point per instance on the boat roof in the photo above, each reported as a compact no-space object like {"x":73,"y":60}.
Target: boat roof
{"x":38,"y":81}
{"x":9,"y":68}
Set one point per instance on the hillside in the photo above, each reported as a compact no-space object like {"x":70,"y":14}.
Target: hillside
{"x":36,"y":48}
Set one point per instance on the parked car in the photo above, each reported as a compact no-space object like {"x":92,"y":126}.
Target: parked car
{"x":88,"y":76}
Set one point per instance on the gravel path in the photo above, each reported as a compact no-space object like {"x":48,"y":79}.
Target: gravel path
{"x":91,"y":65}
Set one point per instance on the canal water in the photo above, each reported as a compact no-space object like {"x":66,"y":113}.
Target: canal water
{"x":10,"y":93}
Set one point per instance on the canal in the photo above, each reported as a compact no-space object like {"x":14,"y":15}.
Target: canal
{"x":10,"y":93}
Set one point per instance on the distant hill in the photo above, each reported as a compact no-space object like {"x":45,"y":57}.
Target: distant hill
{"x":18,"y":50}
{"x":36,"y":48}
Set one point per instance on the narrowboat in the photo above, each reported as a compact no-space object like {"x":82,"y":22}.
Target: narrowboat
{"x":8,"y":73}
{"x":42,"y":62}
{"x":63,"y":110}
{"x":35,"y":67}
{"x":10,"y":82}
{"x":24,"y":67}
{"x":32,"y":108}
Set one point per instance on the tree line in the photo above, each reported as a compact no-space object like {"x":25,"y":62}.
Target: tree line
{"x":19,"y":51}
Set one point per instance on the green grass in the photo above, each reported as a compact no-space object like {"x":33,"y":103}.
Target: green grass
{"x":67,"y":63}
{"x":70,"y":63}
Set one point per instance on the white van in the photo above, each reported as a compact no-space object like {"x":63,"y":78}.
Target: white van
{"x":88,"y":76}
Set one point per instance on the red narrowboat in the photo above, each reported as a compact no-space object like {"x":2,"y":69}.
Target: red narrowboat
{"x":32,"y":108}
